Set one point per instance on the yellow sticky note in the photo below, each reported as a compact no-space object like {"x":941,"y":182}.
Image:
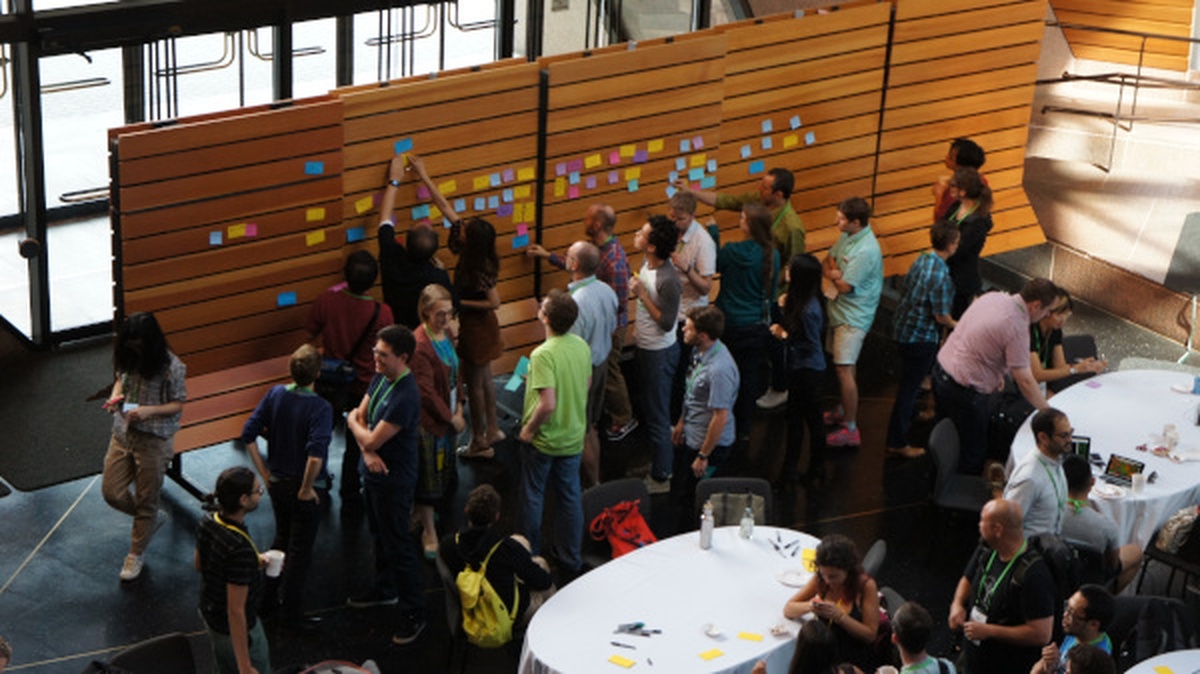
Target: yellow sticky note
{"x":1163,"y":669}
{"x":711,"y":654}
{"x":791,"y":140}
{"x":530,"y":212}
{"x":236,"y":231}
{"x":482,"y":182}
{"x":448,"y":187}
{"x":621,"y":660}
{"x":699,"y":160}
{"x":592,"y":161}
{"x":363,"y":205}
{"x":808,"y":556}
{"x":526,"y":174}
{"x":435,"y":213}
{"x":315,"y":238}
{"x":750,"y":636}
{"x":314,"y":214}
{"x":560,"y":186}
{"x":628,"y":150}
{"x":521,"y":192}
{"x":655,"y":145}
{"x":633,"y":173}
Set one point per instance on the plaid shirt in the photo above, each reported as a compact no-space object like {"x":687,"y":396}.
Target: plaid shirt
{"x":928,"y":292}
{"x":614,"y":270}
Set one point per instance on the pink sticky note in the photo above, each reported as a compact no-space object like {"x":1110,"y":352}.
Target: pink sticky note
{"x":575,"y":165}
{"x":573,"y":192}
{"x":522,"y":229}
{"x":614,"y":157}
{"x":422,"y":191}
{"x":251,"y":229}
{"x":698,"y":143}
{"x":508,"y":175}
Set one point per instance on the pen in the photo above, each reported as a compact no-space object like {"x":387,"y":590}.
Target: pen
{"x":621,"y":645}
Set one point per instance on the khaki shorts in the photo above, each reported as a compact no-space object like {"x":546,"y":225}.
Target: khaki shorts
{"x":845,"y":343}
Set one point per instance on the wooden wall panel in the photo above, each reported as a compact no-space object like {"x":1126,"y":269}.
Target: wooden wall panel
{"x":1171,"y":18}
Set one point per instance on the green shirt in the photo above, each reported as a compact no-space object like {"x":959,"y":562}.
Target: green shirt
{"x":563,"y":363}
{"x":787,"y":230}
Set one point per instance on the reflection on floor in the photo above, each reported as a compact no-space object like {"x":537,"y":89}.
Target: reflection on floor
{"x":61,"y":604}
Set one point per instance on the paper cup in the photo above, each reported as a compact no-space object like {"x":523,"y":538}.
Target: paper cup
{"x":1138,"y":482}
{"x":274,"y":562}
{"x":886,"y":669}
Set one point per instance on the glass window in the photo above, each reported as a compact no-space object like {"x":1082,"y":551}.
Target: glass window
{"x":314,"y":61}
{"x":9,"y":202}
{"x":14,"y":282}
{"x":416,"y":39}
{"x":212,"y":72}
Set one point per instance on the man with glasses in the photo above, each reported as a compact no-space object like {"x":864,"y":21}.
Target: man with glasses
{"x":1038,"y":483}
{"x":1085,"y":617}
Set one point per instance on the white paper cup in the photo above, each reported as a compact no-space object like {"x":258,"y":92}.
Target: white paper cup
{"x":274,"y":562}
{"x":1138,"y":482}
{"x":886,"y":669}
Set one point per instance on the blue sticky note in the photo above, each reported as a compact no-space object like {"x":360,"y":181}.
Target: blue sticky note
{"x":794,"y":122}
{"x":671,"y":191}
{"x":494,"y":180}
{"x":522,"y":367}
{"x":285,"y":299}
{"x":420,"y":212}
{"x":460,"y":205}
{"x":504,"y":211}
{"x":507,"y":196}
{"x":446,"y":223}
{"x":681,"y":164}
{"x":514,"y":381}
{"x":756,"y":167}
{"x":708,"y":182}
{"x":403,"y":145}
{"x":493,"y":202}
{"x":480,"y":204}
{"x":672,"y":176}
{"x":696,"y":174}
{"x":314,"y":168}
{"x":215,"y":238}
{"x":633,"y":185}
{"x":685,"y":145}
{"x":355,"y":234}
{"x":520,"y":241}
{"x":746,"y":151}
{"x":767,"y":126}
{"x":712,"y":165}
{"x":767,"y":144}
{"x":573,"y":178}
{"x":810,"y":138}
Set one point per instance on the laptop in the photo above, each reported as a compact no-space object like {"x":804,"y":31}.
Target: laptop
{"x":1081,"y":445}
{"x":1121,"y":469}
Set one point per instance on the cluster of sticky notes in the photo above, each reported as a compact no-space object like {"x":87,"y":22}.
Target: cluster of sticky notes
{"x":698,"y":168}
{"x":589,"y":172}
{"x":767,"y":141}
{"x":238,"y":231}
{"x":518,"y":375}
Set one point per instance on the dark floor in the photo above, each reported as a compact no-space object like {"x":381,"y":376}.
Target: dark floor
{"x":61,"y":604}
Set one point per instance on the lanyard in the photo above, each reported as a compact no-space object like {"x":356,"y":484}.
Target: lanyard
{"x":779,"y":216}
{"x":217,"y":518}
{"x":374,"y":403}
{"x":986,"y":599}
{"x":1060,"y":497}
{"x":1078,"y":503}
{"x":583,"y":284}
{"x":917,"y":666}
{"x":303,"y":390}
{"x":131,"y":387}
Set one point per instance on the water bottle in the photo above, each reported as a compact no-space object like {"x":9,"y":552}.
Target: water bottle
{"x":746,"y":528}
{"x":706,"y":526}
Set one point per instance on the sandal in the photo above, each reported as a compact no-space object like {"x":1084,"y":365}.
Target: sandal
{"x":467,"y":452}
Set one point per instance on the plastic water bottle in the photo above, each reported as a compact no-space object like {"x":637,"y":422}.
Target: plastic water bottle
{"x":706,"y":526}
{"x":746,"y":528}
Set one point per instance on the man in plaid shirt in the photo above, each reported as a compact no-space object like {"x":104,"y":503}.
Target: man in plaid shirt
{"x":928,"y":294}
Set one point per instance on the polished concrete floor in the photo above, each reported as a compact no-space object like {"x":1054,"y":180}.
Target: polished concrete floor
{"x":61,"y":604}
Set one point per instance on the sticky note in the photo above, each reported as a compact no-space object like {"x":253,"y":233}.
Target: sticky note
{"x":493,"y":201}
{"x":590,"y":182}
{"x":698,"y":159}
{"x":522,"y":229}
{"x":680,"y":164}
{"x":507,"y":175}
{"x":422,"y":191}
{"x":671,"y":191}
{"x":641,"y":157}
{"x":403,"y":145}
{"x":446,"y":223}
{"x":791,"y":140}
{"x":435,"y":213}
{"x":494,"y":180}
{"x":592,"y":161}
{"x":767,"y":143}
{"x":286,"y":299}
{"x":696,"y":174}
{"x":215,"y":238}
{"x":628,"y":150}
{"x":521,"y":192}
{"x":504,"y":211}
{"x":514,"y":381}
{"x":520,"y":241}
{"x":613,"y":177}
{"x":808,"y":558}
{"x":530,"y":212}
{"x":685,"y":145}
{"x":482,"y":183}
{"x":746,"y":151}
{"x":698,"y":143}
{"x":655,"y":145}
{"x":708,"y":182}
{"x":314,"y":168}
{"x":632,"y":186}
{"x":1163,"y":669}
{"x":810,"y":138}
{"x":575,"y":165}
{"x":315,"y":238}
{"x":526,"y":174}
{"x":573,"y":192}
{"x":621,"y":661}
{"x":767,"y":126}
{"x":460,"y":205}
{"x":614,"y":158}
{"x":251,"y":229}
{"x":314,"y":214}
{"x":672,"y":176}
{"x":480,"y":204}
{"x":507,"y":196}
{"x":560,"y":187}
{"x":712,"y":165}
{"x":633,"y":173}
{"x":756,"y":167}
{"x":236,"y":231}
{"x":420,"y":212}
{"x":750,"y":636}
{"x":560,"y":169}
{"x":794,"y":122}
{"x":363,"y":205}
{"x":712,"y":654}
{"x":355,"y":234}
{"x":448,"y":187}
{"x":573,"y":178}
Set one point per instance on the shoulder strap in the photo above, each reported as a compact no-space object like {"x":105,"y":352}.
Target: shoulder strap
{"x":943,"y":668}
{"x":366,"y":331}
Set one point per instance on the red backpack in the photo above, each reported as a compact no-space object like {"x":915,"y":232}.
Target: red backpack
{"x":624,"y":527}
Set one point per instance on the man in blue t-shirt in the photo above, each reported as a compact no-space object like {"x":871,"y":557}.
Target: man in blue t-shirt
{"x":1084,"y":620}
{"x":385,"y":425}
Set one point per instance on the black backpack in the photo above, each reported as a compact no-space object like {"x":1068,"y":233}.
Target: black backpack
{"x":1163,"y":625}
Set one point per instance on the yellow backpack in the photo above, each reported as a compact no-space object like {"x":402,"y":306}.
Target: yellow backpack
{"x":485,"y":620}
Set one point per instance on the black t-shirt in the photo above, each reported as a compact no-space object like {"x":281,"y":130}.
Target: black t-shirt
{"x":227,"y":557}
{"x":403,"y":278}
{"x":1025,"y":592}
{"x":1043,"y":344}
{"x":510,"y":561}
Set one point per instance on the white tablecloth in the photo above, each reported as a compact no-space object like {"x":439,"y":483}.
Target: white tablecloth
{"x":1178,"y":662}
{"x":1119,"y":411}
{"x":678,"y":588}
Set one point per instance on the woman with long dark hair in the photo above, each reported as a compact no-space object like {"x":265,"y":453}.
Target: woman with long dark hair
{"x":800,"y":322}
{"x":146,"y":403}
{"x":972,"y":214}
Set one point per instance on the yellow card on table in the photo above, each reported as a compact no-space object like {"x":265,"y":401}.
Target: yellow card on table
{"x":711,"y":654}
{"x":592,"y":161}
{"x":621,"y":660}
{"x":363,"y":205}
{"x":448,"y":187}
{"x":236,"y":231}
{"x":314,"y":214}
{"x":526,"y":174}
{"x":628,"y":150}
{"x":655,"y":145}
{"x":1163,"y":669}
{"x":315,"y":238}
{"x":750,"y":636}
{"x":808,"y":557}
{"x":482,"y":183}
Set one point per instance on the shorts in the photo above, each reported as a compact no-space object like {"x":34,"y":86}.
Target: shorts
{"x":845,"y":343}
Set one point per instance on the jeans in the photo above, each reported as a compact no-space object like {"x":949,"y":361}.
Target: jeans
{"x":916,"y":360}
{"x":968,"y":409}
{"x":657,"y":369}
{"x":747,"y":344}
{"x":398,"y":570}
{"x":804,"y":409}
{"x":538,"y":469}
{"x":295,"y":533}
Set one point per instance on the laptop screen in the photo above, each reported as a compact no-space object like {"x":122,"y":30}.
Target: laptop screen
{"x":1123,"y":467}
{"x":1081,"y":445}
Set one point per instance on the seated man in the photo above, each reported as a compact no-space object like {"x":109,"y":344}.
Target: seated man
{"x":1087,"y":614}
{"x":1087,"y":659}
{"x":510,"y":563}
{"x":911,"y":629}
{"x":1086,"y":528}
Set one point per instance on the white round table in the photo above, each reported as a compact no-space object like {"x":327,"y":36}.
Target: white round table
{"x":676,"y":587}
{"x":1179,"y":662}
{"x":1119,"y":411}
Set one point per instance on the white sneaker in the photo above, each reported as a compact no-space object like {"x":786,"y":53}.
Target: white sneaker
{"x":654,"y":486}
{"x":772,"y":399}
{"x":132,"y":567}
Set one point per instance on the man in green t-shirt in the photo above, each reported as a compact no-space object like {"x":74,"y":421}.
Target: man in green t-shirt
{"x":553,"y":426}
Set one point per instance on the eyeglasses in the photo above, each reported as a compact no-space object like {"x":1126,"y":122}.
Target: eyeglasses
{"x":381,"y":353}
{"x":1072,"y":613}
{"x":1065,"y":435}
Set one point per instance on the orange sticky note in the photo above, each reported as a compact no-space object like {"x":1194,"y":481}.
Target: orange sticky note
{"x":592,"y":161}
{"x":621,"y":661}
{"x":750,"y":636}
{"x":526,"y":174}
{"x":314,"y":214}
{"x":655,"y":145}
{"x":315,"y":238}
{"x":236,"y":231}
{"x":628,"y":150}
{"x":711,"y":654}
{"x":521,"y":192}
{"x":363,"y":205}
{"x":560,"y":186}
{"x":791,"y":140}
{"x":698,"y":160}
{"x":482,"y":183}
{"x":633,"y":173}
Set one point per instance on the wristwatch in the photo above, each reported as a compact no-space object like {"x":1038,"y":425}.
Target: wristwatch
{"x":394,"y":183}
{"x":1071,"y":369}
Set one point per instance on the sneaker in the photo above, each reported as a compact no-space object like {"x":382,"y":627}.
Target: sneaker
{"x":833,"y":417}
{"x":906,"y":452}
{"x":618,"y":433}
{"x":409,"y":630}
{"x":655,"y":486}
{"x":132,"y":568}
{"x":844,"y":437}
{"x":772,"y":399}
{"x":372,"y":598}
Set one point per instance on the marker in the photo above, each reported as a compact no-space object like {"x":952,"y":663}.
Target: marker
{"x":621,"y":645}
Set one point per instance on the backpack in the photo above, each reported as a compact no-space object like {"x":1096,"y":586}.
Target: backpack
{"x":1066,"y":570}
{"x":1163,"y":625}
{"x":1176,"y":533}
{"x":485,"y":620}
{"x":623,"y":526}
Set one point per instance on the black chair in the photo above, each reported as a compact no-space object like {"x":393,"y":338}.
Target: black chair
{"x":166,"y":653}
{"x":1075,"y":347}
{"x":872,"y":562}
{"x":951,"y":490}
{"x":1094,"y":567}
{"x":595,"y":500}
{"x":733,"y":486}
{"x":1186,"y":561}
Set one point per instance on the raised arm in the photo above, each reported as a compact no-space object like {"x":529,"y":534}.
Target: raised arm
{"x":418,"y":165}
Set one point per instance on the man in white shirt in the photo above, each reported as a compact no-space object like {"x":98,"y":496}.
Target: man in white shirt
{"x":696,"y":261}
{"x":1038,"y":483}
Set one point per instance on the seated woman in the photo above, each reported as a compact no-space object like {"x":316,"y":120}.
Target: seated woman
{"x":1047,"y":360}
{"x":844,"y":597}
{"x":816,"y":653}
